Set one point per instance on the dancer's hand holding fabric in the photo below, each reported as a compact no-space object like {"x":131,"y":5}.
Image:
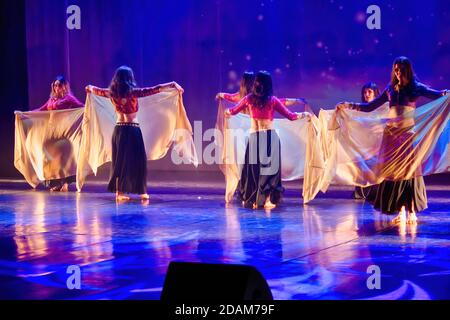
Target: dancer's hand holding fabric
{"x":305,"y":115}
{"x":178,"y":87}
{"x":170,"y":85}
{"x":97,"y":91}
{"x":220,"y":95}
{"x":227,"y":113}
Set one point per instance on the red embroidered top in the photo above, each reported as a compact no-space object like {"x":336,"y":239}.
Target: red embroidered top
{"x":67,"y":102}
{"x":232,"y":97}
{"x":127,"y":104}
{"x":265,"y":112}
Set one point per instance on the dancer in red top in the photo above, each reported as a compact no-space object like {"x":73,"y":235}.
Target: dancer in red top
{"x":129,"y":159}
{"x":260,"y":183}
{"x":61,"y":98}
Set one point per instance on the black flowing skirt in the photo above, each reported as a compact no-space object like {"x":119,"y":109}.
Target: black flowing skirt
{"x":393,"y":195}
{"x":261,"y":173}
{"x":58,"y":183}
{"x":129,"y":160}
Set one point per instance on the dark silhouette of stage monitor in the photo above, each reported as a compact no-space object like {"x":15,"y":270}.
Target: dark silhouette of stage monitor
{"x":203,"y":281}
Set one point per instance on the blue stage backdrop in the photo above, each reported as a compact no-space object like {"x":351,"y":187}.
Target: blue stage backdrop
{"x":320,"y":50}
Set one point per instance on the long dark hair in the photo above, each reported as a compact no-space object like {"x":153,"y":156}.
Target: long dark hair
{"x":122,"y":83}
{"x":262,"y":90}
{"x":369,"y":85}
{"x":408,"y":73}
{"x":62,"y":81}
{"x":246,"y":84}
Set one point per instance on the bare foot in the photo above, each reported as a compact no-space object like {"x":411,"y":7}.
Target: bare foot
{"x":121,"y":197}
{"x":269,"y":204}
{"x":401,"y":217}
{"x":412,"y":218}
{"x":64,"y":188}
{"x":54,"y":189}
{"x":145,"y":196}
{"x":255,"y":206}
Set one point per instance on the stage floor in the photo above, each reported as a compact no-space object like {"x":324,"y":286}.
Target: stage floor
{"x":318,"y":251}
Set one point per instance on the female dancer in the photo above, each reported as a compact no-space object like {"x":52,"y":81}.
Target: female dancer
{"x":369,"y":92}
{"x":129,"y":160}
{"x":260,"y":183}
{"x":401,"y":93}
{"x":61,"y":98}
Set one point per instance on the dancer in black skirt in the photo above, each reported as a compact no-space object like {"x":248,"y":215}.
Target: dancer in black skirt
{"x":401,"y":93}
{"x":129,"y":160}
{"x":260,"y":183}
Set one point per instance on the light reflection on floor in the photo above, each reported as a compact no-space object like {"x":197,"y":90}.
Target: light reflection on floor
{"x":318,"y":251}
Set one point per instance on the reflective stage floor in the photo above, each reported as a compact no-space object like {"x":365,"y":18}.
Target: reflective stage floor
{"x":319,"y":251}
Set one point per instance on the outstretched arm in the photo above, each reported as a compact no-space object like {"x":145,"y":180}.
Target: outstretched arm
{"x":288,"y":102}
{"x":231,"y":97}
{"x":279,"y":106}
{"x":375,"y":103}
{"x":170,"y":85}
{"x":145,"y":92}
{"x":429,"y":93}
{"x":68,"y":102}
{"x":98,"y":91}
{"x":367,"y":106}
{"x":237,"y":108}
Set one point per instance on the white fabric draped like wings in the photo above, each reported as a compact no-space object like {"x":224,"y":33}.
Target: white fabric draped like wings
{"x":58,"y":144}
{"x":47,"y":144}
